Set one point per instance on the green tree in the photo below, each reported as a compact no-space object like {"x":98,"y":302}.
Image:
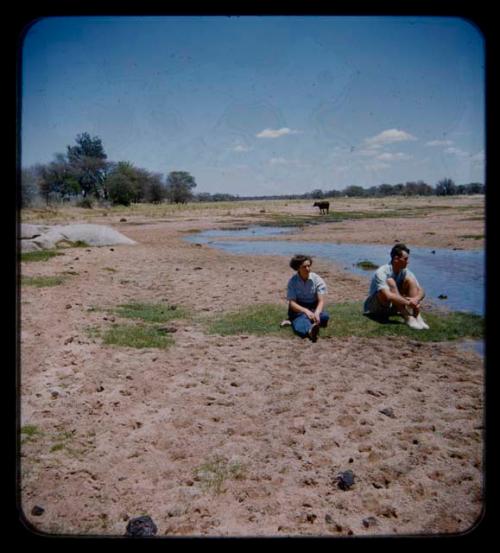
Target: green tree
{"x":446,"y":187}
{"x":121,"y":183}
{"x":88,"y":162}
{"x":179,"y":187}
{"x":57,"y":178}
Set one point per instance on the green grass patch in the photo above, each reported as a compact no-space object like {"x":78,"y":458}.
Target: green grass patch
{"x":152,"y":313}
{"x":256,"y":319}
{"x":136,"y":336}
{"x":42,"y":281}
{"x":472,"y":236}
{"x":366,"y":265}
{"x":347,"y":319}
{"x":30,"y":430}
{"x":39,"y":255}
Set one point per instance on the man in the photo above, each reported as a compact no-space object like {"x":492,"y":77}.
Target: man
{"x":306,"y":298}
{"x":394,"y":289}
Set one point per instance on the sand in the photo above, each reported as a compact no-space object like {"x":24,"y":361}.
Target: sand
{"x":241,"y":435}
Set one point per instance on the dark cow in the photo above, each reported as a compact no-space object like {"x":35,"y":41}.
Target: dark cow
{"x":323,"y":206}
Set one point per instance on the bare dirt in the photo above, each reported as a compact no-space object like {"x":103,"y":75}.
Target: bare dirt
{"x":242,"y":435}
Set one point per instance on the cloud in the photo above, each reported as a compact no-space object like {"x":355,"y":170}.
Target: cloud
{"x":399,"y":156}
{"x":378,"y":166}
{"x":276,"y":133}
{"x":241,"y":148}
{"x":388,"y":137}
{"x":439,"y":143}
{"x":456,"y":152}
{"x":278,"y":161}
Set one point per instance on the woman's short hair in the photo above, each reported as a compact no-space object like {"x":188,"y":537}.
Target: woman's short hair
{"x":398,"y":248}
{"x":297,"y":261}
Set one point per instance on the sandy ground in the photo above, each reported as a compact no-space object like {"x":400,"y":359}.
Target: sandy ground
{"x":123,"y":432}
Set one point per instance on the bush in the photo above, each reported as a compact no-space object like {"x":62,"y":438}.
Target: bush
{"x":86,"y":203}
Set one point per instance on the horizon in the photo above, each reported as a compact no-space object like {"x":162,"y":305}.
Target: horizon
{"x":262,"y":105}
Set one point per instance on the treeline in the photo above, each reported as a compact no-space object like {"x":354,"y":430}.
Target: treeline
{"x":83,"y":175}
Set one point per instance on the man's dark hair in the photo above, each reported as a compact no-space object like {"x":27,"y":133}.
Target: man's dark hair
{"x":297,"y":261}
{"x":398,"y":249}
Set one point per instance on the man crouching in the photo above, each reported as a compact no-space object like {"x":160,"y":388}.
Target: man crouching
{"x":394,"y":289}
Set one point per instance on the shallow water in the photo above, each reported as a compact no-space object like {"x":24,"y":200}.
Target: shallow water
{"x":456,"y":274}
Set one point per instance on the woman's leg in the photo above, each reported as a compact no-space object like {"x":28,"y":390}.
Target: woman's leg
{"x":302,"y":325}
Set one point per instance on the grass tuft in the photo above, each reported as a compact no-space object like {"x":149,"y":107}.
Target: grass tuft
{"x":136,"y":336}
{"x":39,"y":255}
{"x":366,"y":265}
{"x":213,"y":473}
{"x":42,"y":281}
{"x":153,"y":313}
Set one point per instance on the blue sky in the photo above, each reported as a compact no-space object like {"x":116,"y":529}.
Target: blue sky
{"x":262,"y":105}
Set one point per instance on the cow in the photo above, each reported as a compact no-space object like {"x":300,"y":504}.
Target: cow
{"x":323,"y":207}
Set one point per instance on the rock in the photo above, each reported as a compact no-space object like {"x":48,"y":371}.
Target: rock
{"x":345,"y":480}
{"x":141,"y":526}
{"x":37,"y":511}
{"x":369,"y":521}
{"x":47,"y":237}
{"x":388,"y":412}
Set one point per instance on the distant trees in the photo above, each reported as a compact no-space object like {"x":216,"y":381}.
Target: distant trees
{"x":446,"y":187}
{"x":179,"y":188}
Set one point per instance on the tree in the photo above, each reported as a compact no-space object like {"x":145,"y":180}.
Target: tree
{"x":121,"y":183}
{"x":88,"y":161}
{"x":446,"y":187}
{"x":57,"y":179}
{"x":179,"y":187}
{"x":29,"y":188}
{"x":355,"y":191}
{"x":155,"y":189}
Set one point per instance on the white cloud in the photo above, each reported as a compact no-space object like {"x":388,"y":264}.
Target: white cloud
{"x":399,"y":156}
{"x":276,"y":133}
{"x":278,"y":161}
{"x":241,"y":148}
{"x":456,"y":152}
{"x":439,"y":143}
{"x":378,"y":166}
{"x":388,"y":137}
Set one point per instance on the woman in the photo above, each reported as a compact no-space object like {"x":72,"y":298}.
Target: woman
{"x":306,"y":299}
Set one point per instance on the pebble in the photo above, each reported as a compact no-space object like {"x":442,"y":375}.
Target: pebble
{"x":141,"y":526}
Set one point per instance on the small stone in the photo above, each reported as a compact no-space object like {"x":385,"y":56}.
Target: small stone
{"x":37,"y":511}
{"x":369,"y":521}
{"x":345,"y":480}
{"x":141,"y":526}
{"x":388,"y":412}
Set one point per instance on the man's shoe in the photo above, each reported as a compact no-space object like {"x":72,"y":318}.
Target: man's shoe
{"x":421,"y":322}
{"x":413,"y":323}
{"x":313,"y":333}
